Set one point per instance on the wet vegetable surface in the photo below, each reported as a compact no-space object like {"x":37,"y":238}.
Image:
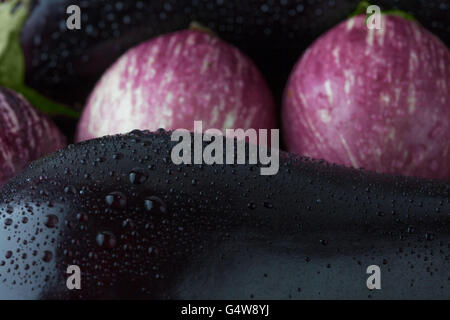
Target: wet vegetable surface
{"x":140,"y":227}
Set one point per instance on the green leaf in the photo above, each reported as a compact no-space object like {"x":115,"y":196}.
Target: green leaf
{"x":46,"y":105}
{"x":361,"y":8}
{"x":13,"y":14}
{"x":12,"y":62}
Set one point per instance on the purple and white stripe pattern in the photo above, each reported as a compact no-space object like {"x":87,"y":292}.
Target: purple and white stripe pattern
{"x":172,"y":80}
{"x":25,"y":134}
{"x":378,"y":99}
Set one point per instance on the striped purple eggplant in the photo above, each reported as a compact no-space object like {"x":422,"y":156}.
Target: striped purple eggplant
{"x":378,"y":99}
{"x":25,"y":134}
{"x":173,"y":80}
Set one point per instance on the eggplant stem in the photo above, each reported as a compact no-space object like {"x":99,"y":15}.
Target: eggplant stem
{"x":197,"y":26}
{"x":361,"y":8}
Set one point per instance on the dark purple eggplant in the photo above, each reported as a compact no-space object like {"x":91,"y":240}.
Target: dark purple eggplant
{"x":140,"y":227}
{"x":66,"y":64}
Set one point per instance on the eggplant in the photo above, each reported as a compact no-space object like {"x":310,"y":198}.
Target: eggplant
{"x":66,"y":64}
{"x":140,"y":227}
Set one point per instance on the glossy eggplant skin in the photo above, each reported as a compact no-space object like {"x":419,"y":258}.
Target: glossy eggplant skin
{"x":140,"y":227}
{"x":65,"y":64}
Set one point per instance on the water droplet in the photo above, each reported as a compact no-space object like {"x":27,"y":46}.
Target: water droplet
{"x":70,"y":190}
{"x":251,"y":205}
{"x":82,"y":217}
{"x":268,"y":205}
{"x":155,"y":205}
{"x":48,"y":256}
{"x":51,"y":221}
{"x":106,"y":239}
{"x":429,"y":236}
{"x":117,"y":156}
{"x":116,"y":200}
{"x":128,"y":223}
{"x":138,"y":176}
